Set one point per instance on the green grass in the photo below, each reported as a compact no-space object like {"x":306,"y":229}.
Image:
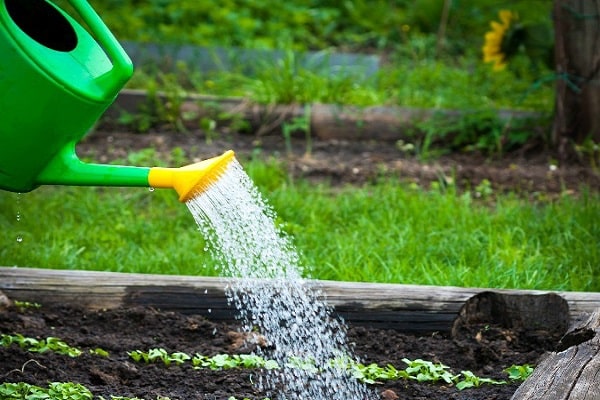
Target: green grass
{"x":386,"y":232}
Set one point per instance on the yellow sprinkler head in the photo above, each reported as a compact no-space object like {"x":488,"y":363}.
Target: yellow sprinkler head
{"x":191,"y":180}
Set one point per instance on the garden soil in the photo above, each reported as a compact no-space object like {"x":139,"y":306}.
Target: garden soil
{"x":532,"y":171}
{"x":485,"y":349}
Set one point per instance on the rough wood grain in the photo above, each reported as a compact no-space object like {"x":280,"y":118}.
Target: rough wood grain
{"x":404,"y":307}
{"x":545,"y":317}
{"x":570,"y":374}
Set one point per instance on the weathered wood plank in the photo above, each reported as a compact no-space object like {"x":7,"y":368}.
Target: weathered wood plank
{"x":544,"y":317}
{"x":571,"y":374}
{"x":403,"y":307}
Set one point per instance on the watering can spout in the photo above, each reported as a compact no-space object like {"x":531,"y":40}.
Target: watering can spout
{"x":188,"y":181}
{"x":193,"y":179}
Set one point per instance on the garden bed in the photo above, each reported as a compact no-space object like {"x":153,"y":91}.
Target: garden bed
{"x":479,"y":330}
{"x":346,"y":147}
{"x":461,"y":328}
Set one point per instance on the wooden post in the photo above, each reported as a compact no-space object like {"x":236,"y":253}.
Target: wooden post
{"x":577,"y":58}
{"x":570,"y":374}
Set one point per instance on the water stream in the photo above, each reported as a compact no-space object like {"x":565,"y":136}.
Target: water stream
{"x":304,"y":336}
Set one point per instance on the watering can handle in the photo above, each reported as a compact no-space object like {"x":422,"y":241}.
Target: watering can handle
{"x":122,"y":65}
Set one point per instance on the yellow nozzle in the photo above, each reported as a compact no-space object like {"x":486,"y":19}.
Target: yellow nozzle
{"x":190,"y":180}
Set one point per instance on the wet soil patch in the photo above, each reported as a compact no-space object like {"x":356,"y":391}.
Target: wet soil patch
{"x":483,"y":348}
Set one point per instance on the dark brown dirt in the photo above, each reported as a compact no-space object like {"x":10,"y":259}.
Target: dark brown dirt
{"x":535,"y":173}
{"x":483,"y":349}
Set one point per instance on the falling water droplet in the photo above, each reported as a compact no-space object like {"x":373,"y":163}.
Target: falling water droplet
{"x":151,"y":189}
{"x":19,"y":238}
{"x":209,"y":310}
{"x":18,"y":207}
{"x":243,"y":237}
{"x":205,"y":291}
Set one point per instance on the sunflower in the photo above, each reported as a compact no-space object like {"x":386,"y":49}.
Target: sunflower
{"x":493,"y":49}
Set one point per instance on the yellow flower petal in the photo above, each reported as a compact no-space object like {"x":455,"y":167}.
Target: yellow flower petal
{"x":506,"y":16}
{"x":498,"y":28}
{"x":491,"y":35}
{"x":492,"y":48}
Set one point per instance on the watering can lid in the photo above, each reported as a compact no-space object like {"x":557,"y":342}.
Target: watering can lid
{"x":83,"y":69}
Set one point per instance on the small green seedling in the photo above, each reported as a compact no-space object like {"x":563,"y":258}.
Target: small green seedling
{"x":470,"y":380}
{"x":154,"y":355}
{"x":519,"y":372}
{"x":55,"y":390}
{"x":99,"y":352}
{"x":24,"y":305}
{"x":39,"y":346}
{"x":427,"y":371}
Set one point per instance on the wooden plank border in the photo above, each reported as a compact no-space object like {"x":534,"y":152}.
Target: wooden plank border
{"x":403,"y":307}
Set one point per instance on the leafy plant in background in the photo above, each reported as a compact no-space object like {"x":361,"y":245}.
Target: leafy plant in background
{"x":298,"y":124}
{"x":591,"y":150}
{"x":479,"y":130}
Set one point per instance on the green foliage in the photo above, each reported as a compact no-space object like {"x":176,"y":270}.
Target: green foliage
{"x":425,"y":66}
{"x":427,"y":371}
{"x":99,"y":352}
{"x":298,"y":124}
{"x":589,"y":150}
{"x":309,"y":24}
{"x":39,"y":346}
{"x":470,"y":380}
{"x":161,"y":355}
{"x":519,"y":372}
{"x":466,"y":95}
{"x":477,"y":130}
{"x":54,"y":391}
{"x":25,"y":305}
{"x":419,"y":370}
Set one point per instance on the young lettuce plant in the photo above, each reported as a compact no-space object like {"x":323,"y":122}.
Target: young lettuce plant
{"x":55,"y":390}
{"x":225,"y":361}
{"x":419,"y":370}
{"x":40,"y":346}
{"x":427,"y":371}
{"x":470,"y":380}
{"x":519,"y":372}
{"x":154,"y":355}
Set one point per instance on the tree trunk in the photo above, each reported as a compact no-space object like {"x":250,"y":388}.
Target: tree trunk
{"x":577,"y":57}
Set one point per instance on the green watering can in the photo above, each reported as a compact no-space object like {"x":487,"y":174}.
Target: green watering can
{"x":56,"y":80}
